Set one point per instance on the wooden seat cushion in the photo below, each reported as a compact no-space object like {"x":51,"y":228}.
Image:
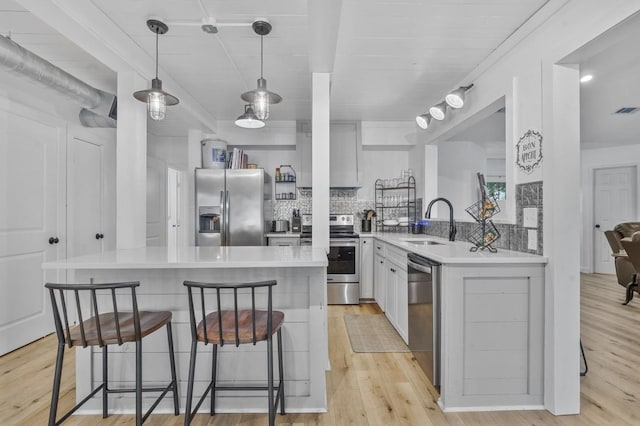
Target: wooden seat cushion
{"x":245,"y":326}
{"x":149,"y":322}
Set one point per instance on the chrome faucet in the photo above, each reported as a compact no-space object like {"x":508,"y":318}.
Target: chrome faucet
{"x":452,"y":223}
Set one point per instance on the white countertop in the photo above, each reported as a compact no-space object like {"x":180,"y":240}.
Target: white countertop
{"x":197,"y":257}
{"x":449,"y":252}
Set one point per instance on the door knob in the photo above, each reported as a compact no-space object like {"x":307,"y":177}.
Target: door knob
{"x":53,"y":240}
{"x":598,"y":225}
{"x":99,"y":236}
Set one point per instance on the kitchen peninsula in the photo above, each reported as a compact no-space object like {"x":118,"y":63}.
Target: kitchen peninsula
{"x":300,"y":294}
{"x":491,"y":314}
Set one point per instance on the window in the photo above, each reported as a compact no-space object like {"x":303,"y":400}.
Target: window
{"x":498,"y":190}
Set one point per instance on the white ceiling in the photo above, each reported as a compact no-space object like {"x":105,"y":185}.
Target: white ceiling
{"x":389,"y":60}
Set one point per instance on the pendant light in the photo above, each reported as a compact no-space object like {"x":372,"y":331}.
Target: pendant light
{"x":261,"y":98}
{"x":248,"y":120}
{"x":156,"y":98}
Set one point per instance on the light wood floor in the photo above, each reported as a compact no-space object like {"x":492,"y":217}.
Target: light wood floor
{"x":381,"y":388}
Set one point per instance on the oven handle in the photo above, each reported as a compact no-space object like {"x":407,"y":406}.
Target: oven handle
{"x":343,"y":242}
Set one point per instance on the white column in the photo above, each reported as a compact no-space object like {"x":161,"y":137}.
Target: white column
{"x":320,"y":131}
{"x":131,"y":163}
{"x":194,"y":161}
{"x":561,"y":177}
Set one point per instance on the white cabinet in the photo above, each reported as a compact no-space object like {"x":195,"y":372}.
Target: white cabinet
{"x":402,"y":303}
{"x":303,"y":154}
{"x":391,"y":288}
{"x":284,"y":240}
{"x":343,"y":155}
{"x":366,"y":267}
{"x":343,"y":171}
{"x":379,"y":274}
{"x":396,"y":291}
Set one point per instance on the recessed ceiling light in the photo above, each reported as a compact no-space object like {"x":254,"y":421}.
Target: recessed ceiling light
{"x":585,"y":78}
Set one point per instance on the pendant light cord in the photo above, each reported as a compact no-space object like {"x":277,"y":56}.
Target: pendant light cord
{"x":261,"y":57}
{"x":156,"y":54}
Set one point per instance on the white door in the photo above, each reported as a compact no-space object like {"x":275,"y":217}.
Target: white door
{"x":615,"y":197}
{"x":31,"y":191}
{"x":85,"y":191}
{"x":173,"y":207}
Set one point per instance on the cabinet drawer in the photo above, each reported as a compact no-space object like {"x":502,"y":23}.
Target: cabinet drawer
{"x":380,"y":248}
{"x":397,"y":255}
{"x":284,"y":241}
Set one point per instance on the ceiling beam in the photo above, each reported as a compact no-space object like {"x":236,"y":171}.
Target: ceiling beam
{"x":324,"y":24}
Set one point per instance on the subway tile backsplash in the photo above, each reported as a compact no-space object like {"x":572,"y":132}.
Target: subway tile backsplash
{"x":512,"y":236}
{"x":340,"y":202}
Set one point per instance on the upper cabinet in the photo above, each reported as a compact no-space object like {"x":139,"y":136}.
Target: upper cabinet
{"x":344,"y":155}
{"x":277,"y":133}
{"x":389,"y":133}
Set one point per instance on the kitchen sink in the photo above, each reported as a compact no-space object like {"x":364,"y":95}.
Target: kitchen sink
{"x":423,"y":242}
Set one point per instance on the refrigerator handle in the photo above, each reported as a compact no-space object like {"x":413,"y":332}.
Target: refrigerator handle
{"x":228,"y":218}
{"x":223,"y":218}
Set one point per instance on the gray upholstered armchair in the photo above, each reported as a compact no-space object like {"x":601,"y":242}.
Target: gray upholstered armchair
{"x":624,"y":268}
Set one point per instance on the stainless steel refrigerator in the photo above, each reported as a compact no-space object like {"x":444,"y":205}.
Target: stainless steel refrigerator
{"x":233,"y":207}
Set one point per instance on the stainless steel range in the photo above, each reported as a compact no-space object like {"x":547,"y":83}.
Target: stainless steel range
{"x":343,"y":272}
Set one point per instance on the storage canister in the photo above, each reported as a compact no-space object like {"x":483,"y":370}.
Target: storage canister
{"x":214,"y":153}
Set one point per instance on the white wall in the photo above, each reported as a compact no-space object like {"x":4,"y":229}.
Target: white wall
{"x":379,"y":163}
{"x":620,"y":156}
{"x":171,"y":149}
{"x":458,"y":165}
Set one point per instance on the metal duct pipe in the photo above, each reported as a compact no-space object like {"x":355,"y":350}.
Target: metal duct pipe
{"x":91,"y":119}
{"x":16,"y":58}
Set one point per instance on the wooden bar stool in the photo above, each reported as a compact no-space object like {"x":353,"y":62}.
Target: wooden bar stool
{"x":238,"y":326}
{"x":113,"y":327}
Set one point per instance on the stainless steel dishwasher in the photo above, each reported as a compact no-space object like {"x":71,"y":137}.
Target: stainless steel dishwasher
{"x":424,"y":314}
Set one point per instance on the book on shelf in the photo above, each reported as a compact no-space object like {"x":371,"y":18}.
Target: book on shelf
{"x":237,"y":159}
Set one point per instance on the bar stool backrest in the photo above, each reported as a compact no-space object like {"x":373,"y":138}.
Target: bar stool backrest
{"x":61,"y":315}
{"x":219,"y":309}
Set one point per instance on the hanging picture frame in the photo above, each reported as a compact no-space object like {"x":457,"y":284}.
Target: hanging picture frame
{"x":529,"y":151}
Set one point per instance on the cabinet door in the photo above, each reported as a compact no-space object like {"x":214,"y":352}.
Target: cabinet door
{"x":391,"y":283}
{"x":343,"y":156}
{"x":402,"y":304}
{"x":379,"y":277}
{"x":366,"y":268}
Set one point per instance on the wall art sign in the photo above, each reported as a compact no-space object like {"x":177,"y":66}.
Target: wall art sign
{"x":529,"y":151}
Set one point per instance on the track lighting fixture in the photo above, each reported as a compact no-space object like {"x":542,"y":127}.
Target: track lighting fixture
{"x":424,"y":120}
{"x":248,"y":120}
{"x":438,"y":111}
{"x":261,"y":98}
{"x":156,"y":98}
{"x":455,"y":99}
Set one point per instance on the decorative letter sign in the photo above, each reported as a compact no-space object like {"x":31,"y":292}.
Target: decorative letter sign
{"x":529,"y":151}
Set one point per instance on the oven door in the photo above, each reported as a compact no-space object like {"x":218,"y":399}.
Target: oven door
{"x":344,"y":262}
